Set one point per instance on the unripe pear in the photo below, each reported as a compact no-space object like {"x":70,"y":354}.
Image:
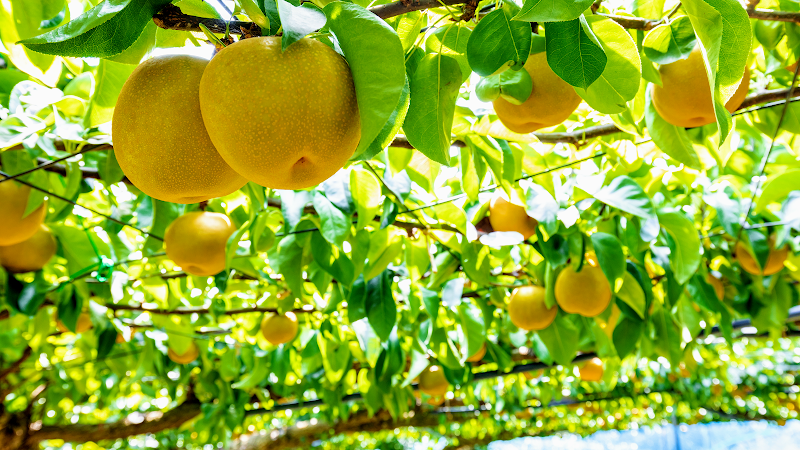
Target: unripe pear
{"x":279,"y":328}
{"x":506,"y":216}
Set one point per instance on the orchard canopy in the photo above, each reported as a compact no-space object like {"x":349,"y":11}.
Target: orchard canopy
{"x":367,"y":224}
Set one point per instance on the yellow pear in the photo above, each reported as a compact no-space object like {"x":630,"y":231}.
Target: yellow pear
{"x":160,"y":140}
{"x":551,"y":102}
{"x":592,"y":370}
{"x":84,"y":323}
{"x":185,"y":358}
{"x":478,"y":356}
{"x":433,"y":382}
{"x":685,"y":100}
{"x":196,"y":242}
{"x":527,"y":310}
{"x":774,"y":260}
{"x":586,"y":292}
{"x":716,"y":283}
{"x":13,"y":201}
{"x":31,"y":254}
{"x":284,"y":120}
{"x":279,"y":328}
{"x":506,"y":216}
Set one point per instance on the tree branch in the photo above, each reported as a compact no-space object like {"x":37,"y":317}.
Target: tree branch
{"x":133,"y":425}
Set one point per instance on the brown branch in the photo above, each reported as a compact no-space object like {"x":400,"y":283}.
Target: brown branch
{"x":132,"y":425}
{"x":186,"y":311}
{"x":171,"y":18}
{"x":302,"y":434}
{"x":778,"y":16}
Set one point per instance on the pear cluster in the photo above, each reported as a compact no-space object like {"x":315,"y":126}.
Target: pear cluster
{"x":186,"y":130}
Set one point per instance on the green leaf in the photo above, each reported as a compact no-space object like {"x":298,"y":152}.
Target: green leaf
{"x":8,"y":79}
{"x":105,"y":30}
{"x":431,"y":301}
{"x":574,"y":53}
{"x":619,"y":81}
{"x":560,"y":338}
{"x":685,"y":257}
{"x":473,"y":331}
{"x":255,"y":375}
{"x":380,"y":306}
{"x":335,"y":224}
{"x":670,"y":42}
{"x":434,"y":88}
{"x":611,"y":258}
{"x":625,"y":194}
{"x":288,"y":261}
{"x":367,"y":40}
{"x":626,"y":335}
{"x":451,"y":40}
{"x":670,"y":139}
{"x":723,"y":29}
{"x":110,"y":78}
{"x":552,"y":10}
{"x":777,"y":188}
{"x":498,"y":42}
{"x":366,"y":191}
{"x":632,"y":294}
{"x":27,"y":298}
{"x":391,"y":128}
{"x":164,"y":213}
{"x":298,"y":21}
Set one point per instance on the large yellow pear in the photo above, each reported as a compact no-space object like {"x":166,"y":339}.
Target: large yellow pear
{"x":586,"y":292}
{"x":684,"y":100}
{"x":774,"y":260}
{"x":185,"y":358}
{"x":551,"y":102}
{"x":592,"y":370}
{"x":160,"y":140}
{"x":506,"y":216}
{"x":31,"y":254}
{"x":13,"y":201}
{"x":196,"y":242}
{"x":279,"y":328}
{"x":84,"y":323}
{"x":433,"y":382}
{"x":284,"y":120}
{"x":527,"y":308}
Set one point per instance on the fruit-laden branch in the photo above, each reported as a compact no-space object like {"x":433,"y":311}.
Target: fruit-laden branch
{"x":133,"y":425}
{"x":576,"y":137}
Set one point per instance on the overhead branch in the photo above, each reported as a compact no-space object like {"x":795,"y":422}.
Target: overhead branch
{"x":133,"y":425}
{"x":189,"y":311}
{"x":302,"y":434}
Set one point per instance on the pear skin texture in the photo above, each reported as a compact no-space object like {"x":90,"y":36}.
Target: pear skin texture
{"x":592,"y":370}
{"x":284,"y":120}
{"x":684,"y":100}
{"x":774,"y":264}
{"x":196,"y":241}
{"x":13,"y":201}
{"x":84,"y":324}
{"x":506,"y":216}
{"x":279,"y":329}
{"x":191,"y":354}
{"x":31,"y":254}
{"x":551,"y":102}
{"x":586,"y":292}
{"x":160,"y":139}
{"x":433,"y":382}
{"x":527,"y":310}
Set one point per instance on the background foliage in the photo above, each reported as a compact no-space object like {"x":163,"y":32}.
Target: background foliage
{"x":391,"y":264}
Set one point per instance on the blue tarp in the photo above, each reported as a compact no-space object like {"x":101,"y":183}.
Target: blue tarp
{"x":713,"y":436}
